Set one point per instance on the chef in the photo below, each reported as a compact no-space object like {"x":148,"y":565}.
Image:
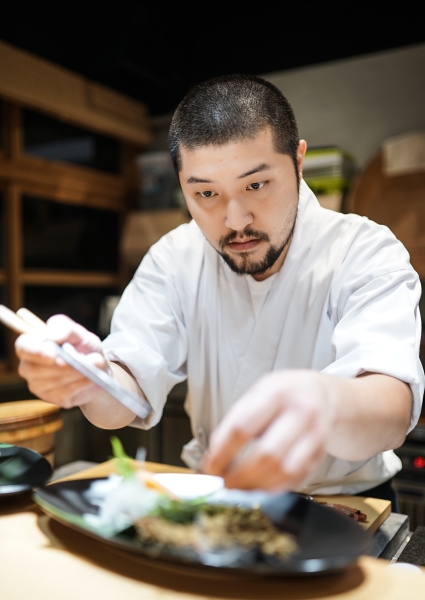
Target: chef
{"x":297,"y":328}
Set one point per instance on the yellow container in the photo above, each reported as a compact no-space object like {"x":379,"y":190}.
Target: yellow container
{"x":31,"y":424}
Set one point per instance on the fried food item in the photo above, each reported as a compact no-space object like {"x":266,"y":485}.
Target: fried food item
{"x":351,"y":513}
{"x":219,"y":528}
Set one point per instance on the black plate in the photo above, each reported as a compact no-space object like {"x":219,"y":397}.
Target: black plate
{"x":327,"y":540}
{"x":21,"y":470}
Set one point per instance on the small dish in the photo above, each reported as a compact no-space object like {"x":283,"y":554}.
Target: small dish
{"x":21,"y":470}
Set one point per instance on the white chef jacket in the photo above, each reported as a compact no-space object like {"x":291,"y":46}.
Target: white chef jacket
{"x":344,"y":302}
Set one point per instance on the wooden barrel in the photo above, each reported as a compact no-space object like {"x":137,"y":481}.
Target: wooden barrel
{"x":31,"y":424}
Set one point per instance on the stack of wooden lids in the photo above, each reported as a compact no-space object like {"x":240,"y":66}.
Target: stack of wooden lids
{"x":31,"y":424}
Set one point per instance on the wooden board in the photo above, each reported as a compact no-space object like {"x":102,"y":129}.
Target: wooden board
{"x":377,"y":510}
{"x":105,"y":469}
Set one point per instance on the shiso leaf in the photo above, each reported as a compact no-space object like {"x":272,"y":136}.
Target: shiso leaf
{"x":178,"y":511}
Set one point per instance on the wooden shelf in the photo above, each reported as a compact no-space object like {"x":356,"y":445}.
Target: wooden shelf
{"x":27,"y":81}
{"x":65,"y":183}
{"x":69,"y":278}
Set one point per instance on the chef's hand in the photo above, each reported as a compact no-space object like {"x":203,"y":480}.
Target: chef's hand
{"x":285,"y":418}
{"x":48,"y":376}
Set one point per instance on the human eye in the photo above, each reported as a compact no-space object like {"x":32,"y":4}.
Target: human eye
{"x":256,"y":186}
{"x":207,"y":194}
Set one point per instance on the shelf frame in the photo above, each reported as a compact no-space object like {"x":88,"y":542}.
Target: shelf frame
{"x":22,"y":174}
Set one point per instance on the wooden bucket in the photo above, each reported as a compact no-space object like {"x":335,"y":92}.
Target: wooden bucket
{"x":31,"y":424}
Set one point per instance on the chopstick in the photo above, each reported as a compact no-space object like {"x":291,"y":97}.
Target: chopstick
{"x":24,"y":321}
{"x":32,"y":320}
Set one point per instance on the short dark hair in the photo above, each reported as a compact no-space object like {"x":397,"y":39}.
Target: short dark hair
{"x":233,"y":107}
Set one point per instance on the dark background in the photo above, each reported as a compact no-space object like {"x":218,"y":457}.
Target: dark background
{"x":156,"y":51}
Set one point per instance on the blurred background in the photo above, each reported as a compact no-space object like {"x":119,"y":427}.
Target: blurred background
{"x":87,"y":92}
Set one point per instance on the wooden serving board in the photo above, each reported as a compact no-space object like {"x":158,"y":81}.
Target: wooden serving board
{"x":376,"y":510}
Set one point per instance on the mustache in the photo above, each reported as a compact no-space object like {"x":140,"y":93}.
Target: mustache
{"x":247,"y":234}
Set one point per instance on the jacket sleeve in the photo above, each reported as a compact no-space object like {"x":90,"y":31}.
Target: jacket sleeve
{"x":148,"y":333}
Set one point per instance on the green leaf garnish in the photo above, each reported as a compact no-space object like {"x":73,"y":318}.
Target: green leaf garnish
{"x":178,"y":511}
{"x":124,"y":463}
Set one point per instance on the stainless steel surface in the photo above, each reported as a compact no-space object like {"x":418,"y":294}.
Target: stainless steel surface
{"x":410,"y":482}
{"x":411,"y":500}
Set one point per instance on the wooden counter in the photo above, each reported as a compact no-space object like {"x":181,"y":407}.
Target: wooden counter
{"x":40,"y":558}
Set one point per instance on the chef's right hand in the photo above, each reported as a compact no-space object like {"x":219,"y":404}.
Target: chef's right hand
{"x":48,"y":376}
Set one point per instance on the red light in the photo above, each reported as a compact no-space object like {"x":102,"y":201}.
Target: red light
{"x":419,"y":462}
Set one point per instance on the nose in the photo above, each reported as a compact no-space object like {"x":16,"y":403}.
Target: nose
{"x":237,"y":216}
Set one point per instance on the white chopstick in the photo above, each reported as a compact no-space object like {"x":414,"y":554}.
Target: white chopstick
{"x":25,"y":322}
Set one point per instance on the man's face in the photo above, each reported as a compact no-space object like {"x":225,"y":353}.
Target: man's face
{"x":244,"y":197}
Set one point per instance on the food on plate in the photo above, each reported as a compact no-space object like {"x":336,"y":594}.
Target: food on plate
{"x":351,"y":513}
{"x":213,"y":527}
{"x":162,"y":520}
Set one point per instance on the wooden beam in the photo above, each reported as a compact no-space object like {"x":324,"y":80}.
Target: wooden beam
{"x":3,"y":276}
{"x":71,"y":278}
{"x":14,"y":142}
{"x":14,"y":245}
{"x":13,"y":234}
{"x":30,"y":81}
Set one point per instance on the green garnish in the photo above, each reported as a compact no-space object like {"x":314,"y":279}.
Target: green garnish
{"x":124,"y":462}
{"x":178,"y":511}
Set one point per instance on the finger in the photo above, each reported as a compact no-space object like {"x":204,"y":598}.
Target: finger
{"x":72,"y":395}
{"x":61,"y":329}
{"x":246,"y":420}
{"x":275,"y":440}
{"x":67,"y":396}
{"x":245,"y":480}
{"x":266,"y":452}
{"x":307,"y":452}
{"x":97,"y":360}
{"x":30,"y":348}
{"x":267,"y":455}
{"x":273,"y":482}
{"x":30,"y":370}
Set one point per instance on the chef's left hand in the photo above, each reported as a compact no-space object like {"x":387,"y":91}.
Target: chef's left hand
{"x":286,"y":418}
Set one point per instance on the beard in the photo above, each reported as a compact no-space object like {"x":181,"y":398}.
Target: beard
{"x":245,"y":266}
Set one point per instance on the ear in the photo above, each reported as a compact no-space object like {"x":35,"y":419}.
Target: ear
{"x":302,"y":148}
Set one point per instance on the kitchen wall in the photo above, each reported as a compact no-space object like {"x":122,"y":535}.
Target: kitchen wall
{"x":354,"y":103}
{"x":358,"y":102}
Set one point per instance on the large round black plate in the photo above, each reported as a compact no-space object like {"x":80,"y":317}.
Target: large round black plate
{"x":21,"y":470}
{"x":327,"y":540}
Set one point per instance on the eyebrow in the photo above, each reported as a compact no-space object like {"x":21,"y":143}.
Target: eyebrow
{"x":262,"y":167}
{"x":197,"y":180}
